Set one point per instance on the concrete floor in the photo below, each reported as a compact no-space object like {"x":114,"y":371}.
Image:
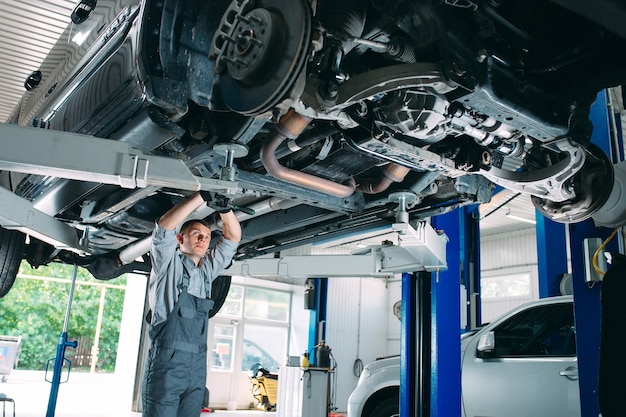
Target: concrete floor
{"x":83,"y":395}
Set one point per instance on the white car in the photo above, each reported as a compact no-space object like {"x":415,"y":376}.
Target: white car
{"x":530,"y":352}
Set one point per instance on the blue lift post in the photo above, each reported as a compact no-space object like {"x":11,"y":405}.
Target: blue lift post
{"x":445,"y":373}
{"x":587,"y":306}
{"x":411,"y":395}
{"x":551,"y":255}
{"x":59,"y":360}
{"x":469,"y":261}
{"x":317,"y":319}
{"x":415,"y":348}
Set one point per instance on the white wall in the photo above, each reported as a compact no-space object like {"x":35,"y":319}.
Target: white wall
{"x":360,"y":327}
{"x":504,"y":255}
{"x":360,"y":324}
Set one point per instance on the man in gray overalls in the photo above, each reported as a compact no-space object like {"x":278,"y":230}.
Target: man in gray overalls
{"x":183,"y":268}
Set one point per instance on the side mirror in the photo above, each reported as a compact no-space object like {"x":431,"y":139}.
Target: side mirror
{"x":486,"y":345}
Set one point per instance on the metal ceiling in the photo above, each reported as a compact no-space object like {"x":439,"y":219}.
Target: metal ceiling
{"x":507,"y":211}
{"x":28,"y":29}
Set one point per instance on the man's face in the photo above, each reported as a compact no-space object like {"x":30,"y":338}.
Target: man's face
{"x":194,"y":240}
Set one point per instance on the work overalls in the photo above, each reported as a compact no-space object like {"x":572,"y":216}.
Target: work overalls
{"x":175,"y":378}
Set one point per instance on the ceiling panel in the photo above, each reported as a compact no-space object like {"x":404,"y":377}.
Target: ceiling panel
{"x":28,"y":29}
{"x":507,"y":211}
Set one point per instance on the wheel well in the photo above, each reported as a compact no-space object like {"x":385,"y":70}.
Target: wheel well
{"x":378,"y":396}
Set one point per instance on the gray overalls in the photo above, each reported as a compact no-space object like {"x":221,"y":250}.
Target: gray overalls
{"x":175,"y":377}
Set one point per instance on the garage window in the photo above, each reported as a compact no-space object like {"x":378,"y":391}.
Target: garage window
{"x":506,"y":286}
{"x":257,"y":303}
{"x":266,"y":304}
{"x":257,"y":320}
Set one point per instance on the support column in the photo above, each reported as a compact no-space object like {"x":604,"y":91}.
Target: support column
{"x":587,"y":315}
{"x":551,"y":255}
{"x":587,"y":305}
{"x":411,"y":396}
{"x":445,"y":322}
{"x":469,"y":260}
{"x":317,"y":322}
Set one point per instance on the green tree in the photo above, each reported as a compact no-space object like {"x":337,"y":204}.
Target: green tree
{"x":35,"y":310}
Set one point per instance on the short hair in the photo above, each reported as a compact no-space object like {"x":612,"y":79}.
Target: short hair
{"x":191,"y":222}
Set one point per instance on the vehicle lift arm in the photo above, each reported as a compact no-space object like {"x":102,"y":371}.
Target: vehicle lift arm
{"x":81,"y":157}
{"x":420,"y":249}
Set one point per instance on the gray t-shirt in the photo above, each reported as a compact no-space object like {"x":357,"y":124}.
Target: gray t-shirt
{"x":167,"y":271}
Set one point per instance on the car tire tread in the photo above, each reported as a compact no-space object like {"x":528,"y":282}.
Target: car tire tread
{"x":11,"y":250}
{"x":388,"y":407}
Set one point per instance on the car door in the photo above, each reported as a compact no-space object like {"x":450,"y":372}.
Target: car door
{"x":526,"y":366}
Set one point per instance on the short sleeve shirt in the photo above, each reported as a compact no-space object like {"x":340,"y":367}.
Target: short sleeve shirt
{"x":168,"y":265}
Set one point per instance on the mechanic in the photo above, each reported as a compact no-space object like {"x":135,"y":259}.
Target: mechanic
{"x":179,"y":291}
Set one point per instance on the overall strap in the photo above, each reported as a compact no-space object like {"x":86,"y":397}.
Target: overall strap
{"x":208,"y":286}
{"x":184,"y":283}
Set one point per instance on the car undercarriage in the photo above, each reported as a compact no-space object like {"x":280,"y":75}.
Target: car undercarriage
{"x":328,"y":115}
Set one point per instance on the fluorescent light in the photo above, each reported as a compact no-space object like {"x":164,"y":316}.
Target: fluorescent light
{"x":521,"y":219}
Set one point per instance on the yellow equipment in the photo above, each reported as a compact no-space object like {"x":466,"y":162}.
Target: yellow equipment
{"x":264,"y":390}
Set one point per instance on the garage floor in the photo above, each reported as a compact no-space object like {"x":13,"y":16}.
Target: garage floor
{"x":84,"y":395}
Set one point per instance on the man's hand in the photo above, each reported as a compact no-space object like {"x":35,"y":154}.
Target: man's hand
{"x":217,"y":202}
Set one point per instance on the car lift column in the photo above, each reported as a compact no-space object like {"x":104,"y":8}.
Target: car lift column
{"x":317,"y":323}
{"x":415,"y":349}
{"x":587,"y":306}
{"x":551,"y":255}
{"x":445,"y":303}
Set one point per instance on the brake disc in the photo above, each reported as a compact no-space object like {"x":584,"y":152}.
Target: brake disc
{"x":593,"y":185}
{"x":260,"y":52}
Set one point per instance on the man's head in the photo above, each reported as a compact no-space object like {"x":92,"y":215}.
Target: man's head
{"x":194,"y":238}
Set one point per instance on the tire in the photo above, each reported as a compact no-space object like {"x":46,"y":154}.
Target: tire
{"x":11,"y":252}
{"x":219,"y":291}
{"x":389,"y":407}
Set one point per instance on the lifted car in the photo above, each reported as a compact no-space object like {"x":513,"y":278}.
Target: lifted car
{"x":333,"y":113}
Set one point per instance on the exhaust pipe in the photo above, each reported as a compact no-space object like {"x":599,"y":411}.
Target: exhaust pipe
{"x":289,"y":127}
{"x":391,"y":173}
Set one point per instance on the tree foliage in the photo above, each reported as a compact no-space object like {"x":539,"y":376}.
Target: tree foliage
{"x":35,"y":309}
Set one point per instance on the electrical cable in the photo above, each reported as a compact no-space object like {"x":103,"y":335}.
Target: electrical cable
{"x":594,"y":260}
{"x":357,"y":367}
